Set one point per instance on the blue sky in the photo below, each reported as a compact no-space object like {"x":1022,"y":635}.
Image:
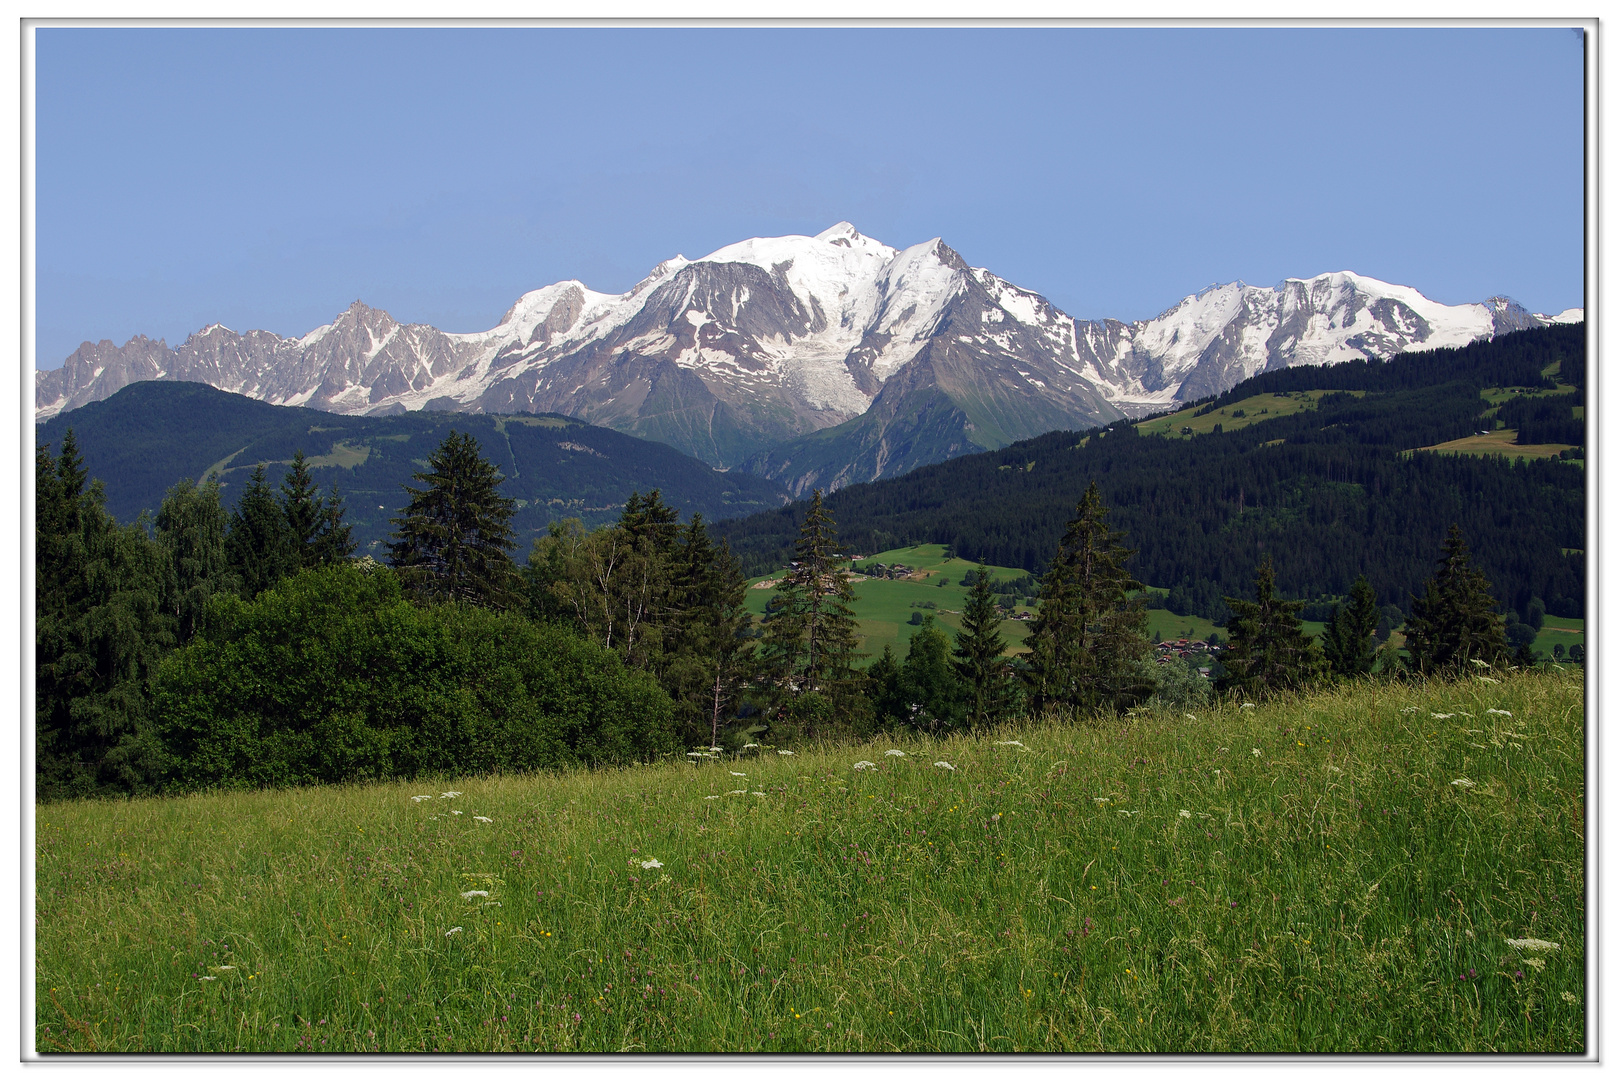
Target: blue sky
{"x":265,"y":178}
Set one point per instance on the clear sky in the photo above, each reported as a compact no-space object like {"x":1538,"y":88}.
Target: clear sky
{"x":265,"y":178}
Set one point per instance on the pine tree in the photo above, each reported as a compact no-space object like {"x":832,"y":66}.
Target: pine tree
{"x":259,"y":544}
{"x":1349,"y":636}
{"x":99,"y":632}
{"x":710,"y":649}
{"x":1453,"y":626}
{"x":928,"y":680}
{"x":810,"y":636}
{"x":302,"y":510}
{"x":1267,"y":650}
{"x":1088,"y":639}
{"x":314,"y":526}
{"x":979,"y":653}
{"x":454,"y":539}
{"x":333,"y":540}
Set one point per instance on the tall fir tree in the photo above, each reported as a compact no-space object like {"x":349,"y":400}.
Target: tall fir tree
{"x":979,"y":661}
{"x":1268,"y":652}
{"x":99,"y":632}
{"x":259,"y":544}
{"x":933,"y":691}
{"x":1453,"y":626}
{"x":810,"y":636}
{"x":315,"y":527}
{"x":1349,"y":637}
{"x":453,"y":540}
{"x":1087,"y":645}
{"x":708,"y":649}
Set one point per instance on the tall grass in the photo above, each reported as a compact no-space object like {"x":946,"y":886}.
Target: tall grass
{"x":1303,"y":876}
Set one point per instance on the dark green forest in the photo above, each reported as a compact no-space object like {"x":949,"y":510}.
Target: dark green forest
{"x":1327,"y":494}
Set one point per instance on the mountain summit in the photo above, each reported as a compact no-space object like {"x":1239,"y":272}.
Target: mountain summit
{"x":817,"y":360}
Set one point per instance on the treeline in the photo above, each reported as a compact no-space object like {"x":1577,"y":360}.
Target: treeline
{"x":1327,"y":493}
{"x":204,"y":650}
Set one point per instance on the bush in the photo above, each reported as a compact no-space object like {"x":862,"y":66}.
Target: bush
{"x":333,"y":676}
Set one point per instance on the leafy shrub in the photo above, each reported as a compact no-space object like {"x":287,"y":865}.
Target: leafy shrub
{"x":333,"y":676}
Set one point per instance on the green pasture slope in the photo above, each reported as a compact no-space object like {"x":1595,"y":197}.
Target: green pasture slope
{"x":884,"y":607}
{"x":1375,"y":868}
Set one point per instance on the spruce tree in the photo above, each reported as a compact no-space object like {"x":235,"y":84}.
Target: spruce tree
{"x":1349,"y":636}
{"x":301,"y":509}
{"x":709,"y":649}
{"x":979,"y":660}
{"x":99,"y":632}
{"x":1453,"y":626}
{"x":928,"y":680}
{"x":453,"y":540}
{"x":810,"y":637}
{"x":333,"y":541}
{"x":1088,"y":639}
{"x":1267,"y":652}
{"x":259,"y":544}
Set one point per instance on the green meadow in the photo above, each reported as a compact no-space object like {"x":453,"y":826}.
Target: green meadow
{"x":1377,"y":867}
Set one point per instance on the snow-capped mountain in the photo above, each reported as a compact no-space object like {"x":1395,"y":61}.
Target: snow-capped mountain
{"x":820,"y":360}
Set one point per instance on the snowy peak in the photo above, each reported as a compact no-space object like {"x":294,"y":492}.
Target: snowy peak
{"x":742,"y":354}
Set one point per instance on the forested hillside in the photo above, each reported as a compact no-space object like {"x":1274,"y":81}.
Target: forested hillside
{"x":150,"y":435}
{"x":1328,"y":491}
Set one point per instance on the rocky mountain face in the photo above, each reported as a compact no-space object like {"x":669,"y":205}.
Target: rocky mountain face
{"x":817,"y":361}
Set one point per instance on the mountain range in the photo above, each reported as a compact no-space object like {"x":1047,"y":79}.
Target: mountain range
{"x":813,"y":361}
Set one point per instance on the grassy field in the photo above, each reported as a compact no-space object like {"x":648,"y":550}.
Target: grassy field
{"x":885,"y":608}
{"x":1252,"y":410}
{"x":1357,"y":870}
{"x":1499,"y":442}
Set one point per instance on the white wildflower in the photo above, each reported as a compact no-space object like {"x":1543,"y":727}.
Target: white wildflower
{"x":1190,"y":716}
{"x":732,"y":773}
{"x":457,"y":813}
{"x":1442,"y":715}
{"x":1008,"y":742}
{"x":650,"y":864}
{"x":943,"y":765}
{"x":224,"y":967}
{"x":1256,"y":752}
{"x":787,"y":753}
{"x":418,"y":798}
{"x":1501,"y":712}
{"x":862,"y":765}
{"x":479,"y":817}
{"x":1412,"y":708}
{"x":210,"y":978}
{"x":1248,"y":705}
{"x":715,"y":796}
{"x":1530,"y":944}
{"x":896,"y":753}
{"x":1480,"y":663}
{"x":692,"y":753}
{"x":1463,"y":782}
{"x":716,"y":749}
{"x":752,"y":746}
{"x":451,"y":794}
{"x":1332,"y":768}
{"x":1183,"y":813}
{"x":492,"y":903}
{"x":473,"y":892}
{"x":759,"y":793}
{"x":737,"y":791}
{"x":452,"y":931}
{"x":1101,"y":798}
{"x":1133,"y":813}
